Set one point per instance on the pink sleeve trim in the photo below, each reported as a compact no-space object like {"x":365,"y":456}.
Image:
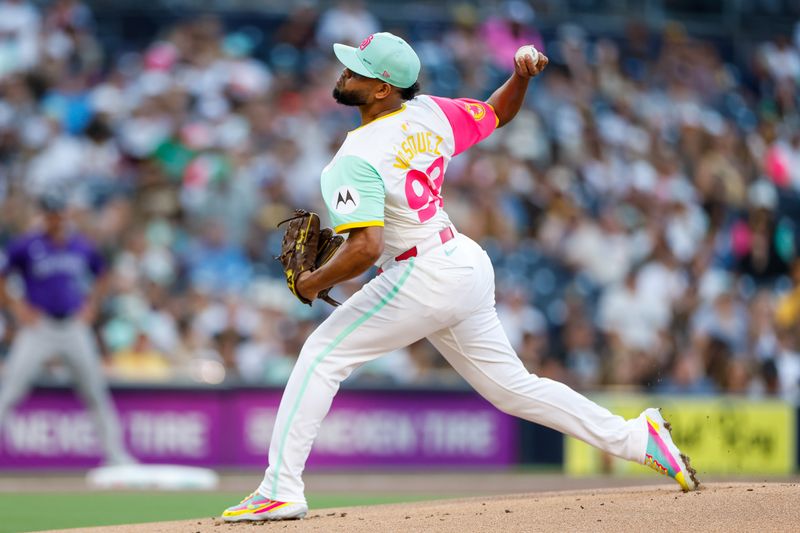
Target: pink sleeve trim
{"x":471,"y":120}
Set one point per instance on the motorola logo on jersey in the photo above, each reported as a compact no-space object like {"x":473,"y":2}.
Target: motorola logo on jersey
{"x":345,"y":200}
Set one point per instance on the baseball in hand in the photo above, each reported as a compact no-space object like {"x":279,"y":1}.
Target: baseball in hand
{"x":528,"y":50}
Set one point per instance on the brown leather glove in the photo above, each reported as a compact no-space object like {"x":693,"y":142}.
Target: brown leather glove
{"x":306,"y":247}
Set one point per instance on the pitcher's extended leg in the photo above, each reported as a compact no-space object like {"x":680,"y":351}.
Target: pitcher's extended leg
{"x":480,"y":351}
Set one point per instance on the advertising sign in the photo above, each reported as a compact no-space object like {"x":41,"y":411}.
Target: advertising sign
{"x":721,"y":435}
{"x":51,"y":429}
{"x":373,"y":428}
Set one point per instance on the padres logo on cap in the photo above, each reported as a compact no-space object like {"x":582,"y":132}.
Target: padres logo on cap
{"x":365,"y":42}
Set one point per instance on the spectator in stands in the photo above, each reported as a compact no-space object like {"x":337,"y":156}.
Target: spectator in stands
{"x":502,"y":35}
{"x":346,"y":22}
{"x":20,"y":25}
{"x":519,"y":317}
{"x":140,"y":361}
{"x":787,"y":313}
{"x":686,"y":376}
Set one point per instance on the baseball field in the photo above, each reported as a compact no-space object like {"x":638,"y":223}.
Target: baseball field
{"x":417,"y":501}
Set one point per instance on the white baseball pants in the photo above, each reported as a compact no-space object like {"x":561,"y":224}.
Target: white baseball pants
{"x":446,"y":295}
{"x":73,"y":341}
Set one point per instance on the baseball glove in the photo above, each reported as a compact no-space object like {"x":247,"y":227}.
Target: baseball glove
{"x":306,"y":247}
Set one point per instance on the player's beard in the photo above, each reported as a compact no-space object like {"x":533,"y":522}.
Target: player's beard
{"x":351,"y":98}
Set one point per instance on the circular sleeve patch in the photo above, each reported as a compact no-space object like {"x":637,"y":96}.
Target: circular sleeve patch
{"x":345,"y":200}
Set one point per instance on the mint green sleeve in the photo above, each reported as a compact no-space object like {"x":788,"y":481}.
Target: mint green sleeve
{"x":354,"y":194}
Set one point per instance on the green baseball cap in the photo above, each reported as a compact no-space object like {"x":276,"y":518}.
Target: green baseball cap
{"x":383,"y":56}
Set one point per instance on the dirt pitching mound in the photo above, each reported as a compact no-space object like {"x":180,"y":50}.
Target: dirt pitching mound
{"x":720,"y":507}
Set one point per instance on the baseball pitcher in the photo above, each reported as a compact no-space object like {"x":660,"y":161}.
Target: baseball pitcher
{"x":57,"y":266}
{"x":384,"y":188}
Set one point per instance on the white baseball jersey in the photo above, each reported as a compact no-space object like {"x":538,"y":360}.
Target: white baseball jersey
{"x":390,"y":172}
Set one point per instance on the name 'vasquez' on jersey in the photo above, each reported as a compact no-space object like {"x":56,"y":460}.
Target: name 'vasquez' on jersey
{"x":390,"y":171}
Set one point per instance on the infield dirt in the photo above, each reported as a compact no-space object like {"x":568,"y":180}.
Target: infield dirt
{"x":719,"y":507}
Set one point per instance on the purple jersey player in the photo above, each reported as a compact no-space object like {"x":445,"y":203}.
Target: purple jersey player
{"x":61,"y":273}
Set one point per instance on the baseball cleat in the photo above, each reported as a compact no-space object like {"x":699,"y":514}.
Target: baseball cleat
{"x":256,"y":508}
{"x":663,"y":456}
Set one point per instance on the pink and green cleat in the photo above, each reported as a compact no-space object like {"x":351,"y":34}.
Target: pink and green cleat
{"x":256,"y":508}
{"x":663,"y":456}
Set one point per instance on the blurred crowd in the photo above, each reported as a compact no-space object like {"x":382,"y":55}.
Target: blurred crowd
{"x":642,"y":210}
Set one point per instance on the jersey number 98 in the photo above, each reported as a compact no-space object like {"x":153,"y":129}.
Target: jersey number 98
{"x":424,"y":190}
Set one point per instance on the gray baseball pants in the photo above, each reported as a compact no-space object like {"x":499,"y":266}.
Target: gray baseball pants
{"x":72,"y":340}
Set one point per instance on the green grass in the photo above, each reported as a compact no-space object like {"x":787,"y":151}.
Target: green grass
{"x":57,"y":510}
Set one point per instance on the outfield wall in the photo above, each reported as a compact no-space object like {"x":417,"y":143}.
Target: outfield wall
{"x":231,"y":427}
